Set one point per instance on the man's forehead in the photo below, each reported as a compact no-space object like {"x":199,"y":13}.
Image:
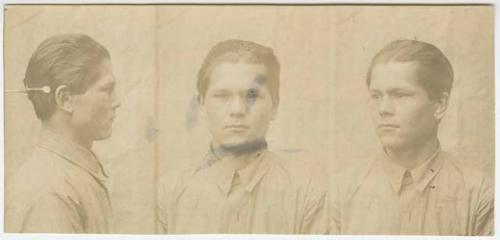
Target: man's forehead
{"x":237,"y":69}
{"x":395,"y":75}
{"x":249,"y":82}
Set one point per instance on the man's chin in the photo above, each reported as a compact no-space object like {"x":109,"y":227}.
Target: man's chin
{"x":392,"y":143}
{"x":233,"y":142}
{"x":104,"y":136}
{"x":234,"y":145}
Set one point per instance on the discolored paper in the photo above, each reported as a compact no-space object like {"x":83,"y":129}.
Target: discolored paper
{"x":323,"y":117}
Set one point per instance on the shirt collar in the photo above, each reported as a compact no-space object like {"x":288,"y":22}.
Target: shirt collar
{"x":426,"y":172}
{"x":72,"y":152}
{"x":223,"y":171}
{"x":394,"y":172}
{"x":422,"y":175}
{"x":253,"y":173}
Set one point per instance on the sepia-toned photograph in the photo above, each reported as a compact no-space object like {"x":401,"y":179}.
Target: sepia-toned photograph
{"x":249,"y":119}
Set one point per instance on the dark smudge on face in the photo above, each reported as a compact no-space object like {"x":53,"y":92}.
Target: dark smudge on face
{"x":241,"y":149}
{"x":253,"y":92}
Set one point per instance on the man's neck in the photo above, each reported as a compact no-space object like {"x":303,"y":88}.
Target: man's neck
{"x":413,"y":156}
{"x":240,"y":155}
{"x":66,"y":132}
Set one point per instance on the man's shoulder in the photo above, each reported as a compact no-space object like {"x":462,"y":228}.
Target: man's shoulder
{"x":296,"y":169}
{"x":346,"y":180}
{"x":41,"y":175}
{"x":177,"y":177}
{"x":462,"y":169}
{"x":42,"y":169}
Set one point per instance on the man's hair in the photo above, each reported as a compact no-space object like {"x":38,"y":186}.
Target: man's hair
{"x":64,"y":59}
{"x":235,"y":51}
{"x":435,"y":72}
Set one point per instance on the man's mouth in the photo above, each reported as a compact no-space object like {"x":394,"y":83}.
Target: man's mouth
{"x":388,"y":126}
{"x":237,"y":127}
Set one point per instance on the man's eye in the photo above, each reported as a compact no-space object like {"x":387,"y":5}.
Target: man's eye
{"x":253,"y":94}
{"x":402,"y":95}
{"x":375,"y":96}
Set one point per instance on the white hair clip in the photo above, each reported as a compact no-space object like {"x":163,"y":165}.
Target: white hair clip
{"x":45,"y":89}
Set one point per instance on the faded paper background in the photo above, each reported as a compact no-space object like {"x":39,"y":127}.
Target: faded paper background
{"x":324,"y":53}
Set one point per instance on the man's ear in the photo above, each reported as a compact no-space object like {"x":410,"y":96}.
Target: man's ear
{"x":64,"y":99}
{"x":441,"y":106}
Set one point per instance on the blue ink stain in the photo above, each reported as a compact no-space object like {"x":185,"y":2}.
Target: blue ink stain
{"x":253,"y":92}
{"x":260,"y":80}
{"x":151,"y":132}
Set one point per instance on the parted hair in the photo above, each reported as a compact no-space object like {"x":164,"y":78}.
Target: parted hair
{"x":435,"y":70}
{"x":235,"y":51}
{"x":64,"y":59}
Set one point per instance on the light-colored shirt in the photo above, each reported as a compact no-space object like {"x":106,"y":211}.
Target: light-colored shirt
{"x":269,"y":195}
{"x":440,"y":197}
{"x":60,"y":189}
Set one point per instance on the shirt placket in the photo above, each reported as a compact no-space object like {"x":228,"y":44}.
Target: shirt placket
{"x":409,"y":214}
{"x":237,"y":199}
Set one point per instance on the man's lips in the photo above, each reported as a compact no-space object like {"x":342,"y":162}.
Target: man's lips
{"x":237,"y":127}
{"x":388,"y":126}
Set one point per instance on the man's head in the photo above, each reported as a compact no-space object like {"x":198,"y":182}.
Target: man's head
{"x":238,"y":88}
{"x":77,"y":69}
{"x":409,"y":83}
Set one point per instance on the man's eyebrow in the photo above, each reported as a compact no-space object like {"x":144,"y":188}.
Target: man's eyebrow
{"x":398,"y":90}
{"x":258,"y":82}
{"x":390,"y":90}
{"x":260,"y":79}
{"x":219,"y":90}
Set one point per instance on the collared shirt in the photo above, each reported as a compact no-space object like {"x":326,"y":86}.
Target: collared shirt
{"x":269,"y":195}
{"x":60,"y":189}
{"x":440,"y":197}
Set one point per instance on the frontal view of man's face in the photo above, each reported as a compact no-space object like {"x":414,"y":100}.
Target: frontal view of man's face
{"x":401,"y":110}
{"x":238,"y":104}
{"x":94,"y":110}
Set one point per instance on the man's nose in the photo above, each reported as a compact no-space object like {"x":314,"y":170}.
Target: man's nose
{"x":237,"y":107}
{"x":116,"y":104}
{"x":115,"y":101}
{"x":386,"y":106}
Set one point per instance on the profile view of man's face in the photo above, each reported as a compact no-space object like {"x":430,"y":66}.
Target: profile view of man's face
{"x":238,"y":103}
{"x":400,"y":107}
{"x":94,"y":110}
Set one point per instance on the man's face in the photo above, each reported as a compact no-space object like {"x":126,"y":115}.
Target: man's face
{"x":94,"y":110}
{"x":238,"y":104}
{"x":401,"y":110}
